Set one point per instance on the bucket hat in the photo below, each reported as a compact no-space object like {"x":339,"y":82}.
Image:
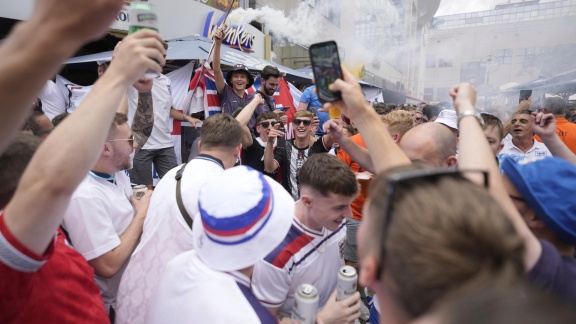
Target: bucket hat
{"x":240,"y":68}
{"x":242,"y":216}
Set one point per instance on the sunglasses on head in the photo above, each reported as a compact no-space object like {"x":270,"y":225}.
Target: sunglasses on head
{"x":130,"y":140}
{"x":306,"y":122}
{"x":266,"y":124}
{"x":408,"y":179}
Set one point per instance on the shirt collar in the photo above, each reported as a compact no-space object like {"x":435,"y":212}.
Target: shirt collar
{"x":210,"y":158}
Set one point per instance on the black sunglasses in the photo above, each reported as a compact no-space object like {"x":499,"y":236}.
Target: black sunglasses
{"x":394,"y":181}
{"x":306,"y":122}
{"x":266,"y":124}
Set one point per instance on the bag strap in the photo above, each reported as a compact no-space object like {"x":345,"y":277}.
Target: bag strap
{"x":183,"y":211}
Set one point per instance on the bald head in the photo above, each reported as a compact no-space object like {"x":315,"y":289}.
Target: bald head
{"x":432,"y":143}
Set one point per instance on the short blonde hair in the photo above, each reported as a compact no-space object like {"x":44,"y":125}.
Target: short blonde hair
{"x":398,"y":121}
{"x":303,"y":113}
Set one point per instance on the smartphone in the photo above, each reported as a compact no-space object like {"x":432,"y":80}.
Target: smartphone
{"x":525,"y":95}
{"x":326,"y":68}
{"x":286,"y":108}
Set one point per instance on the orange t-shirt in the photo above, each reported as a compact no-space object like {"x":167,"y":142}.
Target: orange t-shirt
{"x":567,"y":133}
{"x":358,"y":203}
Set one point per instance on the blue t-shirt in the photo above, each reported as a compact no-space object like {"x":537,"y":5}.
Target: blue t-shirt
{"x":311,"y":99}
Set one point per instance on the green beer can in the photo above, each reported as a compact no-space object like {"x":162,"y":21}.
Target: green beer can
{"x":142,"y":15}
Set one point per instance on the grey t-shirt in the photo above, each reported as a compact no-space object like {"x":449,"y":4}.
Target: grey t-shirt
{"x":230,"y":101}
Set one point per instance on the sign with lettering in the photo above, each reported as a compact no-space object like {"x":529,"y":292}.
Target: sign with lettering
{"x":235,"y":36}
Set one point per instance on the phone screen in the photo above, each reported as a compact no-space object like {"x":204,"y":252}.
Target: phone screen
{"x":525,"y":94}
{"x":326,"y":68}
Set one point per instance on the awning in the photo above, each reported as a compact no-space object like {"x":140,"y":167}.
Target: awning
{"x":197,"y":47}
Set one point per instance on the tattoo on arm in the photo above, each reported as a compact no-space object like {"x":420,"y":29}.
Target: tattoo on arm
{"x":143,"y":119}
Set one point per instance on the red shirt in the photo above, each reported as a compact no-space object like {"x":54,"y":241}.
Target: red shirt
{"x":57,"y":287}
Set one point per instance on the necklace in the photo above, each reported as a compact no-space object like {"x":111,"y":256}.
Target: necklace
{"x":316,"y":247}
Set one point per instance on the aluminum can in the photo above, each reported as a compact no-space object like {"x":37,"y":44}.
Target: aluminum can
{"x":139,"y":190}
{"x":346,"y":283}
{"x":143,"y":16}
{"x":305,"y":305}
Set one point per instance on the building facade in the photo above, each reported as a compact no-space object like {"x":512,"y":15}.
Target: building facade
{"x":516,"y":42}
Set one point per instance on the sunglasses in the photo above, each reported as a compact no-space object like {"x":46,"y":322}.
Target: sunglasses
{"x":130,"y":140}
{"x":266,"y":124}
{"x":306,"y":122}
{"x":408,"y":180}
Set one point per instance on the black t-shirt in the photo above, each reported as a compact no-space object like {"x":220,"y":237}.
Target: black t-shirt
{"x":291,"y":159}
{"x":253,"y":156}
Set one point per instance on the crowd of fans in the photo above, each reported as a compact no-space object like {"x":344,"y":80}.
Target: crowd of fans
{"x":449,"y":214}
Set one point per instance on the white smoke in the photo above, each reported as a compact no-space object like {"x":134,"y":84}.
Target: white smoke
{"x":295,"y":28}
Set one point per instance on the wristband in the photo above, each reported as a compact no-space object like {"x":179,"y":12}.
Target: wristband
{"x":471,"y":114}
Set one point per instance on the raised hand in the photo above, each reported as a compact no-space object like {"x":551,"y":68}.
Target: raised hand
{"x":353,"y":100}
{"x":464,"y":96}
{"x":544,"y":125}
{"x":144,"y":85}
{"x":138,"y":53}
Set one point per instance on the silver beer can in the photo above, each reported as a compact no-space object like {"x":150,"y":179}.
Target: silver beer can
{"x":346,"y":283}
{"x":305,"y":305}
{"x":139,"y":190}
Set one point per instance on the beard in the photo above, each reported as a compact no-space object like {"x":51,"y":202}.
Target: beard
{"x":269,"y":92}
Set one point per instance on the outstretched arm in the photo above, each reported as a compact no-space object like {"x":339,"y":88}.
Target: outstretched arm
{"x":64,"y":159}
{"x":244,"y":117}
{"x":35,"y":49}
{"x":385,"y":153}
{"x":218,"y":75}
{"x":475,"y":154}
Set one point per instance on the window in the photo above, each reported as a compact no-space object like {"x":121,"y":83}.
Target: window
{"x":524,"y":54}
{"x":430,"y":61}
{"x":428,"y":94}
{"x":443,"y":63}
{"x":504,"y":56}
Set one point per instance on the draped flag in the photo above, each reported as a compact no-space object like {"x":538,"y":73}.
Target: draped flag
{"x":206,"y":95}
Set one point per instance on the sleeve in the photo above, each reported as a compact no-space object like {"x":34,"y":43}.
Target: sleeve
{"x":53,"y":102}
{"x":169,"y":88}
{"x":318,"y":146}
{"x":552,"y":273}
{"x":344,"y":157}
{"x":270,"y":284}
{"x":18,"y":268}
{"x":90,"y":227}
{"x":305,"y":96}
{"x":280,"y":153}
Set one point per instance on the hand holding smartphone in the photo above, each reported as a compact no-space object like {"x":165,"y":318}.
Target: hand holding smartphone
{"x":326,"y":68}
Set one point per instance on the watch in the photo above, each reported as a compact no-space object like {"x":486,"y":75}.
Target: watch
{"x":472,"y":114}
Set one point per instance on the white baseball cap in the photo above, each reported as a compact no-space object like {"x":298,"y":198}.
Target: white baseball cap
{"x":242,"y":216}
{"x":449,"y":118}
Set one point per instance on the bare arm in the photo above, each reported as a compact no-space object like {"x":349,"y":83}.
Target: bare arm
{"x":244,"y":117}
{"x":218,"y":75}
{"x":475,"y":154}
{"x":302,"y":106}
{"x":36,"y":210}
{"x":385,"y":153}
{"x":143,"y":120}
{"x":35,"y":49}
{"x":270,"y":165}
{"x":178,"y":115}
{"x":108,"y":264}
{"x":544,"y":125}
{"x":358,"y":153}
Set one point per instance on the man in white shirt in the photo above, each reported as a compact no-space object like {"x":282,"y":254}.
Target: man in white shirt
{"x":521,"y":144}
{"x":103,"y":220}
{"x":159,"y":149}
{"x":166,"y":232}
{"x":312,"y":252}
{"x":211,"y":284}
